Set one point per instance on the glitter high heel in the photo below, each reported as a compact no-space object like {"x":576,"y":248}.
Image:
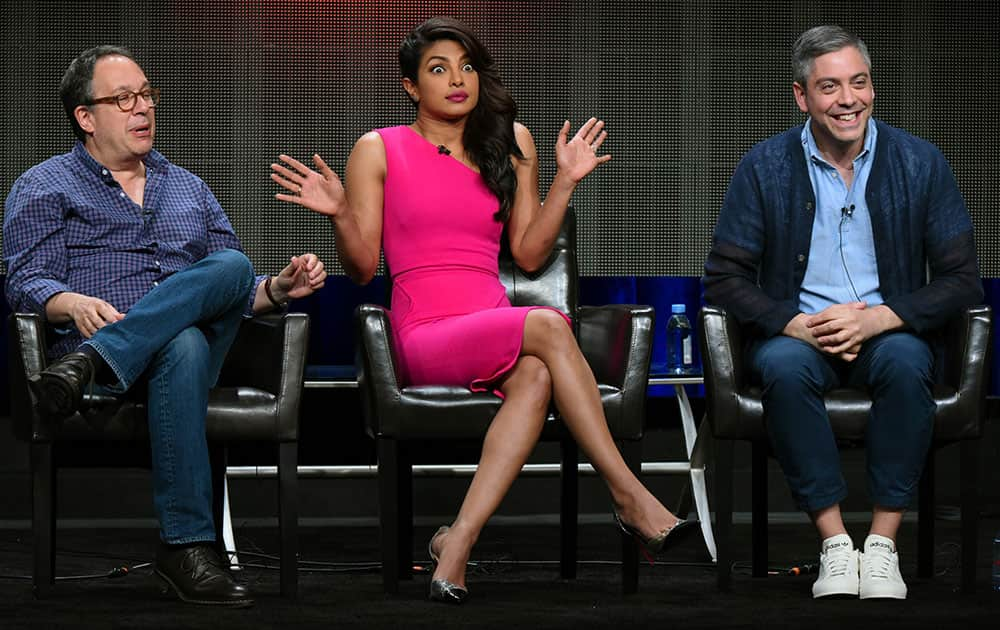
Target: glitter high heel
{"x":443,"y":590}
{"x":669,"y":537}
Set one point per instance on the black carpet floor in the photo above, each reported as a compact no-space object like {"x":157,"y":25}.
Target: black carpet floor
{"x":514,"y":583}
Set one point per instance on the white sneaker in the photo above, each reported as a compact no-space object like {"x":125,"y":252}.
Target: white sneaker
{"x":880,"y":577}
{"x":838,"y":568}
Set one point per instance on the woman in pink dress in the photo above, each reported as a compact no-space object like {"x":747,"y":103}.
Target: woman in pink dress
{"x":435,"y":195}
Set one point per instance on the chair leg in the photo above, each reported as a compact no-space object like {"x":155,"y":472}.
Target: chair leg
{"x":970,"y":512}
{"x":569,"y":492}
{"x":288,"y":517}
{"x":724,"y":512}
{"x":925,"y":520}
{"x":404,"y":484}
{"x":388,"y":503}
{"x":217,"y":460}
{"x":43,"y":517}
{"x":759,"y":514}
{"x":632,"y":454}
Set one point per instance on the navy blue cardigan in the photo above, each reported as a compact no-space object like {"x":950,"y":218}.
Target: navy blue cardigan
{"x":920,"y":223}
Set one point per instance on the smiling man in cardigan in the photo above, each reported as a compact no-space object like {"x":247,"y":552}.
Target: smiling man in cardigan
{"x":822,"y":251}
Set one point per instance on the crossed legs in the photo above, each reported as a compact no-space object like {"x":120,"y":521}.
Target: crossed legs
{"x":551,"y":366}
{"x":511,"y":437}
{"x":176,"y":338}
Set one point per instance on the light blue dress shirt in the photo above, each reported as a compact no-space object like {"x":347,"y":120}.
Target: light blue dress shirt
{"x":842,"y":266}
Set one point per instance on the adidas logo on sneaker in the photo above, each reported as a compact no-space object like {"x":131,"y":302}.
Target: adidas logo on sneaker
{"x":880,"y":576}
{"x":838,"y":568}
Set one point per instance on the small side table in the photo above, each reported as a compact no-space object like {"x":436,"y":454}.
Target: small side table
{"x":694,"y":444}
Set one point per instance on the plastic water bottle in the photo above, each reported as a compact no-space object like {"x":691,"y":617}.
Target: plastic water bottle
{"x":680,"y":359}
{"x":995,"y":572}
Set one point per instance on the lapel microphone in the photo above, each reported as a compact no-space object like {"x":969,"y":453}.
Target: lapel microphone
{"x":443,"y":150}
{"x":847,"y":211}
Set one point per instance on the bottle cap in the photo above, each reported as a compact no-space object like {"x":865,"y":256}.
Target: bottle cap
{"x":677,"y":308}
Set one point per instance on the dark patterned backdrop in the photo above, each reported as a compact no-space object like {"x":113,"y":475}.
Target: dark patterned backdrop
{"x":686,"y":88}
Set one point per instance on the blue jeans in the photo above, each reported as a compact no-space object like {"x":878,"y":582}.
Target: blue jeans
{"x":894,"y":368}
{"x":174,"y":340}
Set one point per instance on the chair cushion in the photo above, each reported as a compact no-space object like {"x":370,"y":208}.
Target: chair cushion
{"x":234,"y":414}
{"x":615,"y":340}
{"x":735,"y":411}
{"x":437,"y":411}
{"x":258,"y":397}
{"x":848,"y":410}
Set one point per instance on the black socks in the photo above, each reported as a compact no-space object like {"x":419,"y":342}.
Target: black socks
{"x":103,"y":374}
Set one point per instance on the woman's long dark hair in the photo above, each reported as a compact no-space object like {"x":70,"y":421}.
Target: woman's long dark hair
{"x":489,"y":132}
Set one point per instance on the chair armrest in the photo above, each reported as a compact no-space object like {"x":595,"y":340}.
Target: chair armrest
{"x":968,"y":346}
{"x":269,"y":354}
{"x":721,"y":348}
{"x":25,"y":356}
{"x":375,"y":362}
{"x":969,"y":338}
{"x":617,"y":342}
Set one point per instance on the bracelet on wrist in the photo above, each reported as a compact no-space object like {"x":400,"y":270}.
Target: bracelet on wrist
{"x":270,"y":296}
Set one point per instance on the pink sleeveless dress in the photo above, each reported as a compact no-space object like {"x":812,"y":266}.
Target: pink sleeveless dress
{"x":451,"y":320}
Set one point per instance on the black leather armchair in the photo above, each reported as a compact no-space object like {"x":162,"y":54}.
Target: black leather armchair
{"x":257,"y":399}
{"x":734,"y":411}
{"x":616,"y":340}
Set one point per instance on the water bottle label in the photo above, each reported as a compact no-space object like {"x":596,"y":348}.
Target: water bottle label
{"x":688,"y":358}
{"x":996,"y":563}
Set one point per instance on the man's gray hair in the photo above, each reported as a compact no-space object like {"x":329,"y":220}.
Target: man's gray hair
{"x":818,"y":41}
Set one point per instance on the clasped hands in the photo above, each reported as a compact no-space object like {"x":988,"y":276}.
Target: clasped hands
{"x":839,"y":330}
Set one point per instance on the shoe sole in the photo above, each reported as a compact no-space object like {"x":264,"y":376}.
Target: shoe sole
{"x":680,"y":534}
{"x":849,"y":591}
{"x":53,"y":397}
{"x":168,"y":585}
{"x":886,"y":597}
{"x":837,"y":595}
{"x":883,"y":596}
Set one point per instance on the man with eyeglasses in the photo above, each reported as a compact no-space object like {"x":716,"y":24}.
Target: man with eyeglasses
{"x":820,"y":252}
{"x":136,"y":268}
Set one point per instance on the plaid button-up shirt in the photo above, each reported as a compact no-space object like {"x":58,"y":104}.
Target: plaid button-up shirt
{"x":69,"y":226}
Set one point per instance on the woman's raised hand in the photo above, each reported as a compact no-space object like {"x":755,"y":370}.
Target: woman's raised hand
{"x":577,"y":157}
{"x":321,"y":192}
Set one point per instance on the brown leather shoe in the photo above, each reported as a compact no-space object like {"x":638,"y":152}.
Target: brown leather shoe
{"x":198,"y":576}
{"x":58,"y":389}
